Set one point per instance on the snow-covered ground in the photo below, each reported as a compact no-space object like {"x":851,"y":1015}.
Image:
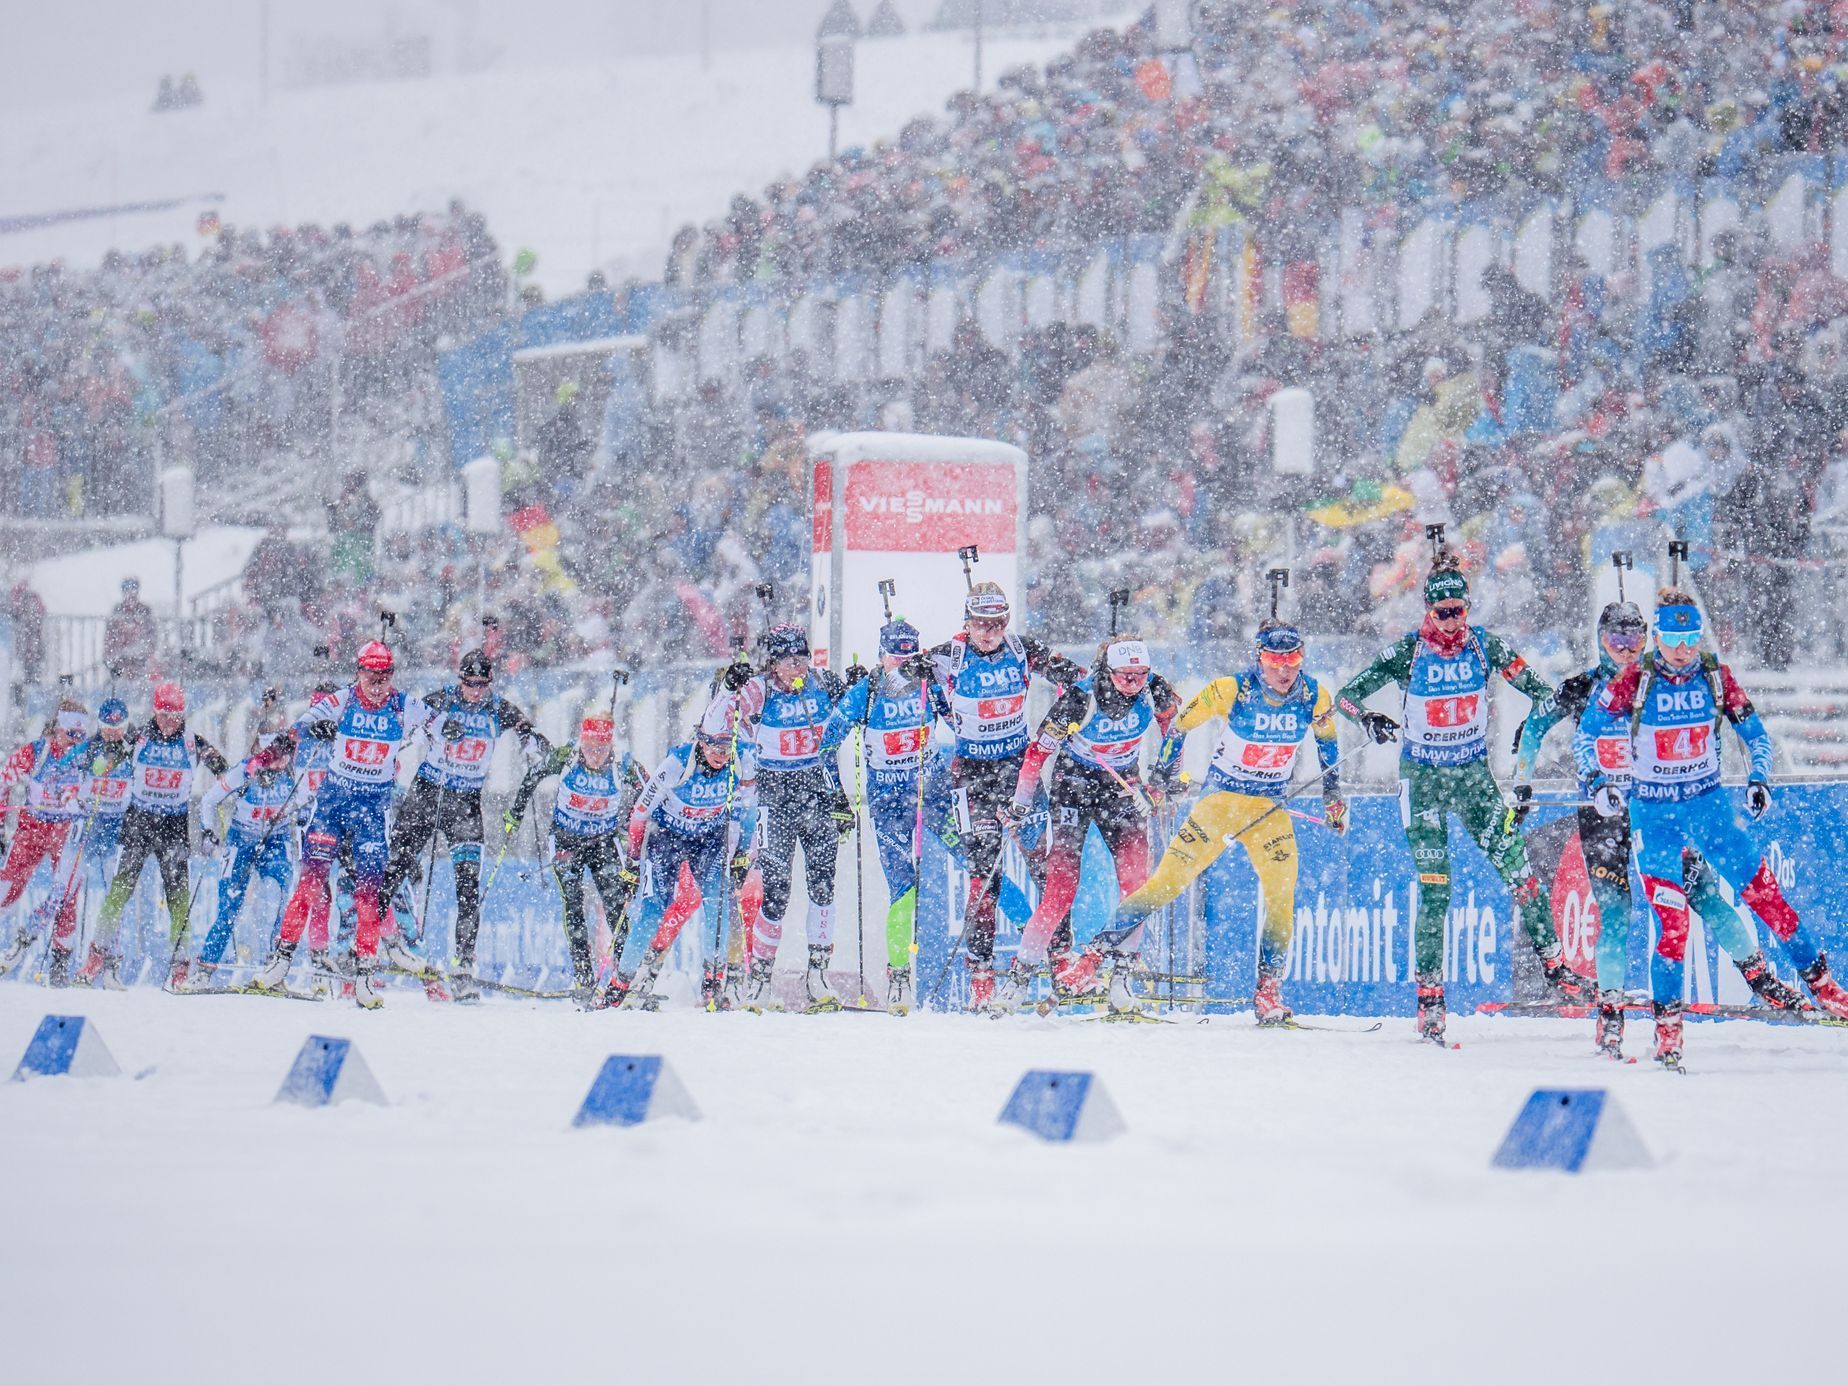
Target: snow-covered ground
{"x":590,"y":166}
{"x":1313,"y":1207}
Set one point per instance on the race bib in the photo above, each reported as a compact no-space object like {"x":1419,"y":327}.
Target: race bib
{"x":1682,"y":743}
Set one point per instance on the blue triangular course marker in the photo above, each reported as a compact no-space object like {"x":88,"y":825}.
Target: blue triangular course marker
{"x":633,"y":1088}
{"x":1572,"y":1130}
{"x":66,"y":1046}
{"x":329,"y":1070}
{"x":1060,"y":1106}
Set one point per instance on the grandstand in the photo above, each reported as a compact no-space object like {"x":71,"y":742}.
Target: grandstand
{"x":1570,"y":277}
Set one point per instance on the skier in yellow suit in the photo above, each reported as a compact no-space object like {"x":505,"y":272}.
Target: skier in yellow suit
{"x":1263,"y":716}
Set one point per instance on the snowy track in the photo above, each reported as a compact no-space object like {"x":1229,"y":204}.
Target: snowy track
{"x":848,"y":1208}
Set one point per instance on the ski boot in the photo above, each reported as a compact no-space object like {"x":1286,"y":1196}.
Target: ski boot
{"x":734,"y":986}
{"x":758,"y":993}
{"x":981,"y":984}
{"x":1013,"y":988}
{"x":1610,"y":1024}
{"x":1079,"y":976}
{"x":1762,"y":978}
{"x":712,"y":995}
{"x":1560,"y":977}
{"x":58,"y":967}
{"x":1431,"y":1012}
{"x":821,"y":996}
{"x":1119,"y":996}
{"x":612,"y":994}
{"x":641,"y":992}
{"x":100,"y":969}
{"x":203,"y":976}
{"x":178,"y":970}
{"x":398,"y":956}
{"x":1827,"y":991}
{"x":275,"y":973}
{"x":462,"y":984}
{"x":1267,"y":1001}
{"x":365,"y":995}
{"x":1668,"y":1035}
{"x":14,"y":952}
{"x":898,"y":991}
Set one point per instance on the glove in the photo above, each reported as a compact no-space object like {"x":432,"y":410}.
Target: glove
{"x":1757,"y":799}
{"x":1014,"y":812}
{"x":1379,"y":726}
{"x":740,"y":868}
{"x":510,"y":822}
{"x":322,"y":730}
{"x":1334,"y":809}
{"x":735,"y":675}
{"x":841,"y":810}
{"x":452,"y":730}
{"x":917,"y":666}
{"x":1523,"y":805}
{"x":628,"y":875}
{"x":209,"y":841}
{"x":1607,"y":799}
{"x":857,"y":673}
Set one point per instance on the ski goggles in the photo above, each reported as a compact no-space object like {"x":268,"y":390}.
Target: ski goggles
{"x":1678,"y":625}
{"x":1449,"y":611}
{"x":73,"y":723}
{"x":1625,"y":640}
{"x":1281,"y":659}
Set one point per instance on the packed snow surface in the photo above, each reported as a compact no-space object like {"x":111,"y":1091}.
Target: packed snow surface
{"x":1311,"y":1205}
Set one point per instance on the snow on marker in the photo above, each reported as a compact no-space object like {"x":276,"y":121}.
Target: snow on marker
{"x":1062,"y":1106}
{"x":328,"y":1071}
{"x":633,"y":1088}
{"x":67,"y":1046}
{"x":1572,"y":1130}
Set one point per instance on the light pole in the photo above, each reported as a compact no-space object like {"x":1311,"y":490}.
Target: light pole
{"x":834,"y":82}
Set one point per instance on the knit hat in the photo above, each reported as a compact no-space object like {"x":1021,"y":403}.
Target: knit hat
{"x":1446,"y":584}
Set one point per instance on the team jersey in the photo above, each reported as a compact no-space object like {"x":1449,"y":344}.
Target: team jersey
{"x":367,"y":740}
{"x":1672,"y":722}
{"x":1112,"y":731}
{"x":1261,"y":731}
{"x":54,"y":784}
{"x":1610,"y":748}
{"x":895,"y":718}
{"x":984,"y":696}
{"x":263,"y":797}
{"x":787,"y":724}
{"x":590,"y":803}
{"x":687,"y":797}
{"x":107,"y":789}
{"x":465,"y":733}
{"x":161,"y":769}
{"x":1446,"y":697}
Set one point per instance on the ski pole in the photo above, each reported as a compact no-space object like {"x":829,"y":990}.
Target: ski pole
{"x":1129,"y":791}
{"x":969,"y":914}
{"x":859,"y":823}
{"x":1282,"y":805}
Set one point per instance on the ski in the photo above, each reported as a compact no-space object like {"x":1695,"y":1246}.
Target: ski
{"x":1294,"y":1024}
{"x":529,"y":993}
{"x":249,"y":989}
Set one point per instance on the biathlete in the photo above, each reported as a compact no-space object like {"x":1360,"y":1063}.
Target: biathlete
{"x":597,"y":790}
{"x":1443,"y":668}
{"x":1093,"y":734}
{"x":1672,"y":705}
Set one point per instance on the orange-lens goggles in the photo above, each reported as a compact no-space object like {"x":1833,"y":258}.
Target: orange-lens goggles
{"x":1280,"y":661}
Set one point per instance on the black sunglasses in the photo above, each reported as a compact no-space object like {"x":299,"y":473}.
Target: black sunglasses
{"x":475,"y":683}
{"x":1448,"y":613}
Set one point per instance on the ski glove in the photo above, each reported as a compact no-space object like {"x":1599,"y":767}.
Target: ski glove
{"x":1757,"y":799}
{"x":209,"y":841}
{"x":740,"y":867}
{"x":510,"y":822}
{"x":1014,"y":812}
{"x":322,"y":730}
{"x":841,"y":810}
{"x":452,"y":730}
{"x":1523,"y":805}
{"x":917,"y":666}
{"x":1607,"y":799}
{"x":1379,"y":726}
{"x":857,"y":673}
{"x":1335,"y":810}
{"x":735,"y":675}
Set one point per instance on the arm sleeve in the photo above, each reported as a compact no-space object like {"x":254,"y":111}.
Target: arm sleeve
{"x":513,"y":717}
{"x":228,"y":783}
{"x":1570,"y":701}
{"x":1744,"y":717}
{"x":209,"y":755}
{"x":849,"y":711}
{"x":1393,"y":665}
{"x":1042,"y":659}
{"x":553,"y":764}
{"x":1327,"y":741}
{"x":18,"y":766}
